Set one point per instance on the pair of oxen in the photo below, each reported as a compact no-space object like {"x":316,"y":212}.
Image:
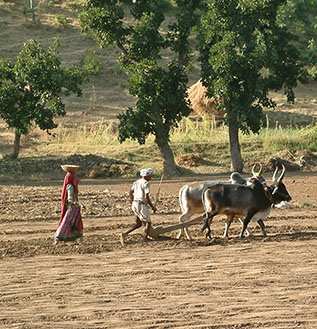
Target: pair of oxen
{"x":245,"y":199}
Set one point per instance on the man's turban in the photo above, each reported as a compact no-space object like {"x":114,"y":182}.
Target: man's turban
{"x":146,"y":172}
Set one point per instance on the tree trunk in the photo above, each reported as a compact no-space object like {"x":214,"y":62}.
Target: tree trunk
{"x":16,"y":149}
{"x":169,"y":166}
{"x":32,"y":6}
{"x":236,"y":158}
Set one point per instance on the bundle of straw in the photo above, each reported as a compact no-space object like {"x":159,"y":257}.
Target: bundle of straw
{"x":202,"y":104}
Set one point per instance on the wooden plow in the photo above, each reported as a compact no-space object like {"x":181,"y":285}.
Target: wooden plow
{"x":156,"y":231}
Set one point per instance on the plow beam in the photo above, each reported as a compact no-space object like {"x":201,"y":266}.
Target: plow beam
{"x":156,"y":231}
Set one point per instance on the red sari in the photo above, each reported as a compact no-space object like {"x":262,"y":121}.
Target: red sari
{"x":70,"y":226}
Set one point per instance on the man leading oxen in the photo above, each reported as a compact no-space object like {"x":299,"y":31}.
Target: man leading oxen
{"x":251,"y":202}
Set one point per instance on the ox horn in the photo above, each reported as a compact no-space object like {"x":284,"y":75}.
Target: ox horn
{"x":281,"y":176}
{"x":259,"y":173}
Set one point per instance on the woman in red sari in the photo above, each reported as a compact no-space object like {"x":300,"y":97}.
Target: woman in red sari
{"x":70,"y":226}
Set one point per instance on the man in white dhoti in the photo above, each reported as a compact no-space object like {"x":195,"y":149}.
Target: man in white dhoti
{"x":140,"y":197}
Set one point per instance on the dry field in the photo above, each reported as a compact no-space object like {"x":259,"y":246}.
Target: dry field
{"x":224,"y":283}
{"x":166,"y":283}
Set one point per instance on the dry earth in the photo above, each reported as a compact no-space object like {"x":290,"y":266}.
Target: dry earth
{"x":224,"y":283}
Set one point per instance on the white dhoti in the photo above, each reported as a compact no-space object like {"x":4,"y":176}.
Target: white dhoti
{"x":141,"y":210}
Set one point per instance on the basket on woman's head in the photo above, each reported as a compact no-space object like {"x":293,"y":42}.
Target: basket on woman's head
{"x":70,"y":168}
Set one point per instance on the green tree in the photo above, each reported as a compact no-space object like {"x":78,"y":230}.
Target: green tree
{"x":31,"y":89}
{"x":245,"y":53}
{"x":159,"y":85}
{"x":300,"y":16}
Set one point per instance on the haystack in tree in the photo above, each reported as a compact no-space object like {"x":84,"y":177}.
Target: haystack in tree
{"x":201,"y":104}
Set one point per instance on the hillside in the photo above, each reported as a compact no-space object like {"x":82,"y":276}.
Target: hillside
{"x":17,"y":28}
{"x":105,"y":95}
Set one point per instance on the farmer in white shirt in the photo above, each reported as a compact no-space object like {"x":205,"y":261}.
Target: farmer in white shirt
{"x":140,"y":197}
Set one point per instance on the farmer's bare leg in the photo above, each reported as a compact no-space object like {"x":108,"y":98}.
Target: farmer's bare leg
{"x":147,"y":230}
{"x":138,"y":224}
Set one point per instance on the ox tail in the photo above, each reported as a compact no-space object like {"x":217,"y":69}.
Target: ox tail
{"x":204,"y":226}
{"x":181,"y":196}
{"x":203,"y":199}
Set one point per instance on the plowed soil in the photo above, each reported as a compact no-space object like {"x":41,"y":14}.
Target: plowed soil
{"x":230,"y":283}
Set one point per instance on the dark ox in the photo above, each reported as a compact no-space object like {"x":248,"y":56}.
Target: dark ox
{"x":190,"y":199}
{"x":252,"y":202}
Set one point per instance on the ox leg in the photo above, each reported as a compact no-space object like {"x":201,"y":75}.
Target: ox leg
{"x":227,"y":225}
{"x":249,"y":233}
{"x":246,"y":221}
{"x":188,"y":236}
{"x":206,"y":225}
{"x":261,"y":224}
{"x":184,"y":231}
{"x":205,"y":222}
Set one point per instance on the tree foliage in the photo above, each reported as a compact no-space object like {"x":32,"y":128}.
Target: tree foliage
{"x":32,"y":87}
{"x":160,"y":105}
{"x":159,"y":85}
{"x":244,"y":54}
{"x":300,"y":16}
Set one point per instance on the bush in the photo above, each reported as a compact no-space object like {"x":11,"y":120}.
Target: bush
{"x":92,"y":63}
{"x":62,"y":21}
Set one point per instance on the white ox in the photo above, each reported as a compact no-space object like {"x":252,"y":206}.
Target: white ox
{"x":190,"y":201}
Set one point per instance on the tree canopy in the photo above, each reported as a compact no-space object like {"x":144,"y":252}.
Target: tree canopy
{"x":300,"y":17}
{"x":245,"y":53}
{"x":31,"y":88}
{"x":159,"y":85}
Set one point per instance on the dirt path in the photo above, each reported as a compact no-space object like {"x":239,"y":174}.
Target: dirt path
{"x":224,"y":283}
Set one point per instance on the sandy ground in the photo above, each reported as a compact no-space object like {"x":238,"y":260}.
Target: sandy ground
{"x":223,"y":283}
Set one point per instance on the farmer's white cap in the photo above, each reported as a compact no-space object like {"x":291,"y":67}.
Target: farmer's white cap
{"x":146,"y":172}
